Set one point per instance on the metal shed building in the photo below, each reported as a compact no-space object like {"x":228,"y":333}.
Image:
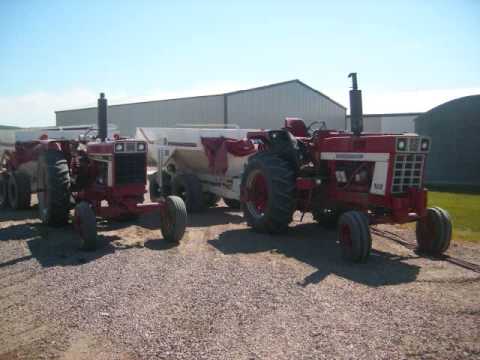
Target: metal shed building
{"x":261,"y":107}
{"x":388,"y":123}
{"x":454,"y":128}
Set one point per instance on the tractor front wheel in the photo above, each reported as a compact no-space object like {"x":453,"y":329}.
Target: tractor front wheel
{"x":434,"y":232}
{"x":85,"y":223}
{"x":268,"y":184}
{"x":3,"y":190}
{"x":54,"y":188}
{"x":19,"y":192}
{"x":174,"y":219}
{"x":354,"y":236}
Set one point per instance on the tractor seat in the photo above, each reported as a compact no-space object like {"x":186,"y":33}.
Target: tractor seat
{"x":296,"y":126}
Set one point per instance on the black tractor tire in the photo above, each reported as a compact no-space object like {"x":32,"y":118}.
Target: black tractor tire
{"x":189,"y":188}
{"x":174,"y":220}
{"x":328,"y":218}
{"x":354,"y":236}
{"x":210,"y":199}
{"x":54,"y":197}
{"x":19,"y":191}
{"x":434,"y":232}
{"x":85,"y":223}
{"x":269,"y":183}
{"x":154,"y":189}
{"x":232,"y":203}
{"x":3,"y":191}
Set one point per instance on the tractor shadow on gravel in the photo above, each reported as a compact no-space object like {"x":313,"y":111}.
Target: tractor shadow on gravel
{"x":215,"y":216}
{"x":18,"y":215}
{"x":209,"y":217}
{"x":54,"y":246}
{"x":318,"y":248}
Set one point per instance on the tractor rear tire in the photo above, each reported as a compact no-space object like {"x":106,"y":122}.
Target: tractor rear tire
{"x":232,"y":203}
{"x":19,"y":192}
{"x":269,"y":184}
{"x":354,"y":236}
{"x":3,"y":191}
{"x":189,"y":188}
{"x":54,"y":183}
{"x":434,"y":232}
{"x":174,"y":220}
{"x":85,"y":222}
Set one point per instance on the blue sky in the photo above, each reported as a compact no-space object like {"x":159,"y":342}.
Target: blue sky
{"x":60,"y":54}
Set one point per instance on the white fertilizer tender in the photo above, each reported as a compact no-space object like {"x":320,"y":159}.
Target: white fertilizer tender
{"x":198,"y":164}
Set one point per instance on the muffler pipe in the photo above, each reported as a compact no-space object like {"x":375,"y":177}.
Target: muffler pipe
{"x":102,"y":117}
{"x":356,"y":110}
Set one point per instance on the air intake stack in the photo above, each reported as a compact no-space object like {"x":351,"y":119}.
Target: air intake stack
{"x":102,"y":117}
{"x":356,"y":111}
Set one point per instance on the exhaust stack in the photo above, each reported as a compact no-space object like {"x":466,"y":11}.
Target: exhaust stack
{"x":102,"y":117}
{"x":356,"y":111}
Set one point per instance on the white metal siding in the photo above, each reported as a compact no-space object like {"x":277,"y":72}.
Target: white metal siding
{"x":268,"y":107}
{"x":397,"y":123}
{"x":372,"y":124}
{"x":76,"y":117}
{"x":256,"y":108}
{"x":167,"y":113}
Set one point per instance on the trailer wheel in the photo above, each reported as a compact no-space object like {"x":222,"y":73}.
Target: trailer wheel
{"x":210,"y":199}
{"x":154,"y":190}
{"x":3,"y":190}
{"x":54,"y":188}
{"x":327,"y":218}
{"x":189,"y":188}
{"x":85,"y":223}
{"x":232,"y":203}
{"x":268,"y":183}
{"x":434,"y":232}
{"x":19,"y":193}
{"x":174,"y":219}
{"x":354,"y":236}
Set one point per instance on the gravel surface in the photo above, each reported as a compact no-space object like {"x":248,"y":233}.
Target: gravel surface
{"x":227,"y":293}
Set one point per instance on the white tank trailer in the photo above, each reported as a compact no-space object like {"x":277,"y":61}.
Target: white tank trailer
{"x":186,"y":164}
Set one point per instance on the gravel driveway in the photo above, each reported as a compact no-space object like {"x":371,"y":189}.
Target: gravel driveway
{"x":227,"y":293}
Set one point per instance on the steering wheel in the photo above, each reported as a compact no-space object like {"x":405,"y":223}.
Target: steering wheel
{"x":322,"y":126}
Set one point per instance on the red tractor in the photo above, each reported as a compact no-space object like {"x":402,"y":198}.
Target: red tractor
{"x":98,"y":177}
{"x":351,"y":179}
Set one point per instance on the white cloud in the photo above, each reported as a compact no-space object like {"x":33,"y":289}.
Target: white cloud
{"x":37,"y":109}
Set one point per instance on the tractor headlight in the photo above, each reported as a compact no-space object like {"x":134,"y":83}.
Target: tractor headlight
{"x":402,"y":144}
{"x":425,"y":144}
{"x":119,"y":147}
{"x":140,"y":146}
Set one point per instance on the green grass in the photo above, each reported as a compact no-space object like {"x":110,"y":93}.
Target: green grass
{"x":464,"y":209}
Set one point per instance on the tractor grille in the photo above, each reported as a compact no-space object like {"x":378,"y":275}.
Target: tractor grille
{"x":414,"y":144}
{"x":130,"y":168}
{"x":407,"y":172}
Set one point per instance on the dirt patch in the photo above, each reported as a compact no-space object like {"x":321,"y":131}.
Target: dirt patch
{"x":226,"y":292}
